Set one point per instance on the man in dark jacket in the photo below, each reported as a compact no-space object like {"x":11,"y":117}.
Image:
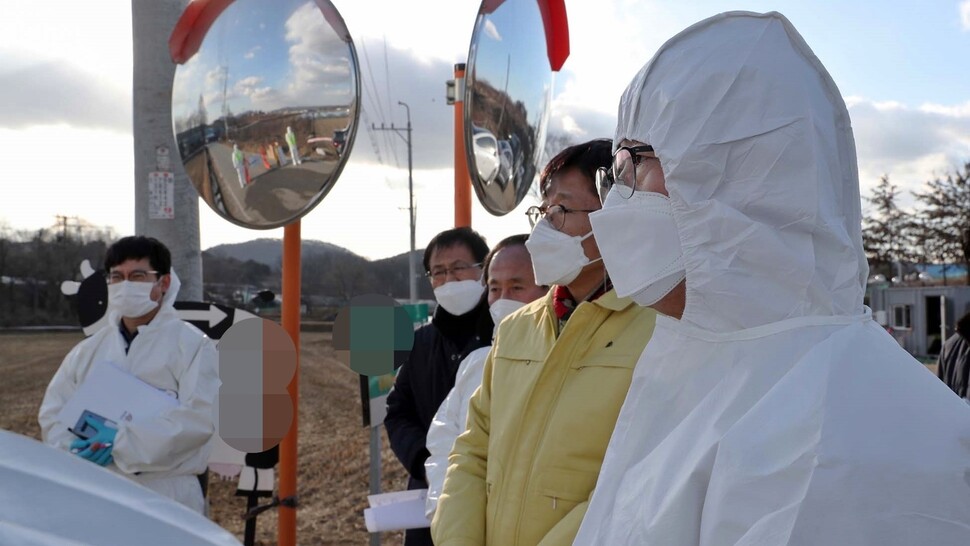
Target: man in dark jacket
{"x":461,"y":324}
{"x":953,"y":366}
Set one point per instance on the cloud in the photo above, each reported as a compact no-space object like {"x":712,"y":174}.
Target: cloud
{"x":253,"y":88}
{"x":320,"y":61}
{"x":911,"y":145}
{"x":957,"y":111}
{"x":215,"y":76}
{"x":580,"y":122}
{"x":251,"y":81}
{"x":420,"y":83}
{"x":51,"y":93}
{"x":70,"y":171}
{"x":431,"y":30}
{"x":249,"y":55}
{"x":491,"y":31}
{"x":965,"y":15}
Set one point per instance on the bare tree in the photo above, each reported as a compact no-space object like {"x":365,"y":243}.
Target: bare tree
{"x":947,"y":212}
{"x":350,"y":277}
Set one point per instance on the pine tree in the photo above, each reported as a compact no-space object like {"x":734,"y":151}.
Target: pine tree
{"x":884,"y":230}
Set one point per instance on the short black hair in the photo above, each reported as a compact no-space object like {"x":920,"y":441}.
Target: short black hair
{"x":137,"y":247}
{"x":587,"y":157}
{"x":963,"y":326}
{"x":466,"y":236}
{"x":514,"y":240}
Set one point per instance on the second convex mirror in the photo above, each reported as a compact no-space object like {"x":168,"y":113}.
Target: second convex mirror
{"x":508,"y":93}
{"x":266,"y":111}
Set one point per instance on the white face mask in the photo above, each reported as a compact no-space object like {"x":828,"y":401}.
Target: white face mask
{"x":503,"y":308}
{"x":557,"y":258}
{"x":638,"y":240}
{"x":131,"y":299}
{"x":459,"y":297}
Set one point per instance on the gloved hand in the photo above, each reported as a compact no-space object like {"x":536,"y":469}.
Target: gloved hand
{"x":97,"y":448}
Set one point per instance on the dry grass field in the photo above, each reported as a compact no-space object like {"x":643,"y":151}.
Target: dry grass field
{"x":333,"y":446}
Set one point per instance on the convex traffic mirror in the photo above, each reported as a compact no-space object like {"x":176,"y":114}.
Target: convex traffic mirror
{"x":508,"y":94}
{"x":266,"y":111}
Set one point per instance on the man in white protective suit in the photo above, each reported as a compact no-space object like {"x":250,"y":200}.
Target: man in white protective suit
{"x":146,"y":338}
{"x":768,"y":408}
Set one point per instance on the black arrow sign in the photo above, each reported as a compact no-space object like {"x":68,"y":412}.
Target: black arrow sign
{"x":212,"y":318}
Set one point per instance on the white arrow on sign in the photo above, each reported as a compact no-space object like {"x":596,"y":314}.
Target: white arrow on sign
{"x":214,"y":315}
{"x":241,"y":315}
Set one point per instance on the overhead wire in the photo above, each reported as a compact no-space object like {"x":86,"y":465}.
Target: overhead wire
{"x":387,"y":82}
{"x":369,"y":94}
{"x":374,"y":97}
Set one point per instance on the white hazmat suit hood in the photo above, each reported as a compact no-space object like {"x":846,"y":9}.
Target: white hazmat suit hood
{"x":775,"y":411}
{"x":760,"y":164}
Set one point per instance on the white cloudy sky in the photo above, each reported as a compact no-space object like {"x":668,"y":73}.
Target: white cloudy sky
{"x":65,"y":103}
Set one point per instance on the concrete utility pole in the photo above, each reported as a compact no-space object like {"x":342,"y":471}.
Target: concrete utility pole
{"x":412,"y":267}
{"x":166,"y":204}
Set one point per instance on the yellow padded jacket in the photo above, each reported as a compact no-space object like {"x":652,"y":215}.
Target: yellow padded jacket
{"x":538,"y":427}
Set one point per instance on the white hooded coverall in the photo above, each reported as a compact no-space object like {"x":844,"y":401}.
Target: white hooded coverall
{"x":449,"y":422}
{"x":166,"y":453}
{"x":776,"y":411}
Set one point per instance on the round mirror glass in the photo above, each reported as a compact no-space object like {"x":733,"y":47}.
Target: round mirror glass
{"x":508,"y":95}
{"x":266,"y":111}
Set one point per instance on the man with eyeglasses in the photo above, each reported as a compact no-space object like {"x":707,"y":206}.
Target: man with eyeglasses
{"x":461,"y":324}
{"x":553,"y":383}
{"x":768,"y":407}
{"x":145,"y":337}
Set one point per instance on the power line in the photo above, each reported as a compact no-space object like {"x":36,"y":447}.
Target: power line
{"x":387,"y":77}
{"x":387,"y":83}
{"x":373,"y":138}
{"x":374,"y":96}
{"x":377,"y":105}
{"x":376,"y":101}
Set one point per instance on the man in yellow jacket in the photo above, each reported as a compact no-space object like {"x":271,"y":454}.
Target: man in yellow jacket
{"x":554,"y":381}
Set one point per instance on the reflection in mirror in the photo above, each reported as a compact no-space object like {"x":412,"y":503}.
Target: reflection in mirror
{"x":266,"y":112}
{"x":508,"y":94}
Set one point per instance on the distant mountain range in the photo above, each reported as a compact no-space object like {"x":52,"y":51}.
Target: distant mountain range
{"x":327,"y":268}
{"x":270,"y":251}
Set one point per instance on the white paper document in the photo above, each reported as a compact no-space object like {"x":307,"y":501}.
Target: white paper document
{"x":117,"y":395}
{"x":256,"y":479}
{"x":397,"y":510}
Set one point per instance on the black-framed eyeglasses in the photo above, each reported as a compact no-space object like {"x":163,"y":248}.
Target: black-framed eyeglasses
{"x":138,"y":275}
{"x":622,"y":173}
{"x":555,"y":214}
{"x":439,"y":274}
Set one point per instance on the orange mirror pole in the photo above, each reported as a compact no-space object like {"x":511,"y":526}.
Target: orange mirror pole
{"x":463,"y":184}
{"x":290,"y":318}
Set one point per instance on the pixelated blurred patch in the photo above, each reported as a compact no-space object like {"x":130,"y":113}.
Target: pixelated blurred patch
{"x":257,"y":360}
{"x":373,"y":335}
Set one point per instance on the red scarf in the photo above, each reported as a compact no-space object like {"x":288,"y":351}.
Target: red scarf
{"x":564,"y":304}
